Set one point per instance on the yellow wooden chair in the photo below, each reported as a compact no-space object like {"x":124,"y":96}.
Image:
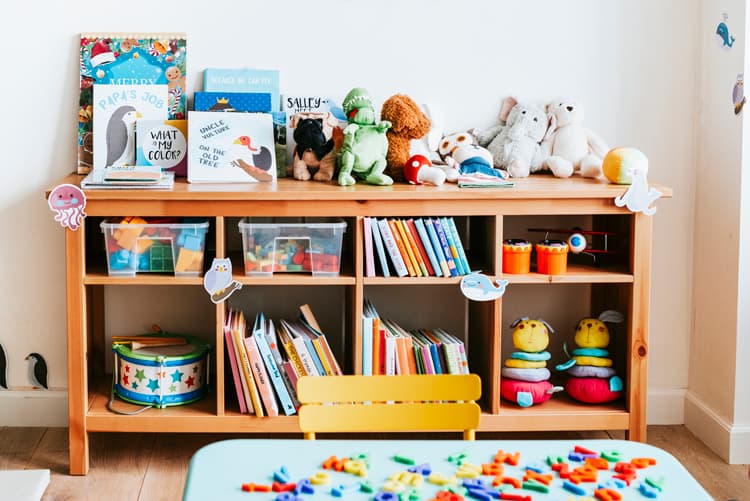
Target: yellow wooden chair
{"x":389,"y":403}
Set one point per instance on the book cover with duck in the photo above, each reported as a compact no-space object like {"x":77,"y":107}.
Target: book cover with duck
{"x":230,"y":147}
{"x":127,"y":59}
{"x":116,"y":109}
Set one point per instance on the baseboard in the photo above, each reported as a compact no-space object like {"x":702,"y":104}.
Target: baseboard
{"x":665,"y":406}
{"x":730,"y":442}
{"x":739,"y":451}
{"x":34,"y":408}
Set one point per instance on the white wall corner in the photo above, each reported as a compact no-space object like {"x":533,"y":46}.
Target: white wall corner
{"x":665,"y":406}
{"x":34,"y":408}
{"x":731,"y":443}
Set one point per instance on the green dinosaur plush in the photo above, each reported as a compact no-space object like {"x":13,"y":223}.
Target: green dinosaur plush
{"x":365,"y":143}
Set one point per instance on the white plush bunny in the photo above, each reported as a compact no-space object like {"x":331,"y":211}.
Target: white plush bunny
{"x":571,"y":146}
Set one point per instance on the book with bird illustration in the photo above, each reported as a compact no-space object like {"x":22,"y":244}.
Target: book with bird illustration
{"x":230,"y":147}
{"x":116,"y":109}
{"x":125,"y":59}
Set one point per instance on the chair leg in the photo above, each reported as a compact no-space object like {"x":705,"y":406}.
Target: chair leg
{"x":470,"y":434}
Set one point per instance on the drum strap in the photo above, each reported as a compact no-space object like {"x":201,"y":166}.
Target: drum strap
{"x":110,"y":404}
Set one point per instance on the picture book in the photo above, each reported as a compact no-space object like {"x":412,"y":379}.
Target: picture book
{"x":116,"y":109}
{"x":459,"y":245}
{"x":293,"y":104}
{"x":369,"y":257}
{"x":285,"y":401}
{"x":366,"y":345}
{"x":243,"y":80}
{"x":162,"y":143}
{"x":424,"y":239}
{"x":399,"y":226}
{"x":251,"y":390}
{"x":248,"y":102}
{"x":453,"y":246}
{"x":260,"y":374}
{"x":230,"y":148}
{"x":445,"y":247}
{"x":284,"y":365}
{"x":402,"y":247}
{"x":424,"y":260}
{"x":128,"y":59}
{"x":286,"y":342}
{"x":437,"y":248}
{"x":232,"y":355}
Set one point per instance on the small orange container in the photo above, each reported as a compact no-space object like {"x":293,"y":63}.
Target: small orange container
{"x":552,"y":257}
{"x":516,"y":256}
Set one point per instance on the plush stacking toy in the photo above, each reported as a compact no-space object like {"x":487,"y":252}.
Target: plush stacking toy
{"x":525,"y":375}
{"x":592,"y":378}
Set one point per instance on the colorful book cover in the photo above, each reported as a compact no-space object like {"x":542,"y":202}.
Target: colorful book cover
{"x":238,"y":335}
{"x":116,"y":109}
{"x":452,"y":245}
{"x":425,"y":259}
{"x":446,"y":247}
{"x":248,"y":102}
{"x":273,"y":370}
{"x":459,"y":246}
{"x":397,"y":223}
{"x":378,"y":238}
{"x":293,"y":104}
{"x":128,"y":59}
{"x":410,"y":237}
{"x":437,"y":248}
{"x":162,"y":143}
{"x":230,"y":147}
{"x":261,"y":376}
{"x":401,"y":247}
{"x":389,"y":242}
{"x":273,"y":343}
{"x":427,"y":247}
{"x":286,"y":342}
{"x":243,"y":80}
{"x":233,"y":356}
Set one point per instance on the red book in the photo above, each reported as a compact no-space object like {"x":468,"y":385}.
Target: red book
{"x":420,"y":247}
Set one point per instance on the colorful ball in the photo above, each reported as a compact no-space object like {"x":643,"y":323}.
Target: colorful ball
{"x":619,"y":164}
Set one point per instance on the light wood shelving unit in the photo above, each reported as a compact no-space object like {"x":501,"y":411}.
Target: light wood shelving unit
{"x":624,"y":284}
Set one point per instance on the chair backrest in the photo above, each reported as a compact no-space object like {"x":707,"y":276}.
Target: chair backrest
{"x":389,"y":403}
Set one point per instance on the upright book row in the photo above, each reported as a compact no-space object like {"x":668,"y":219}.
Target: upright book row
{"x":265,"y":376}
{"x":419,"y":247}
{"x":389,"y":349}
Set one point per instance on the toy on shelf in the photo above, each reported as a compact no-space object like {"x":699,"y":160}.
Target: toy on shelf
{"x":525,"y":375}
{"x":418,"y":169}
{"x":365,"y":144}
{"x":630,"y":166}
{"x":515,"y":144}
{"x":460,"y":152}
{"x":516,"y":256}
{"x":552,"y":257}
{"x":592,"y":378}
{"x":572,"y":147}
{"x":579,"y":244}
{"x":313,"y":133}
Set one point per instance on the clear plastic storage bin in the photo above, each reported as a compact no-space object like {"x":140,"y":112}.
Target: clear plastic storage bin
{"x":166,"y":245}
{"x":282,"y":245}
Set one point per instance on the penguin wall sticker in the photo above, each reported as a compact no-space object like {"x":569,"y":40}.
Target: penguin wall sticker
{"x":37,"y":370}
{"x":3,"y":369}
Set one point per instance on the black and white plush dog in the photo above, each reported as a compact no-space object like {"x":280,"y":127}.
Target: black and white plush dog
{"x":313,"y":133}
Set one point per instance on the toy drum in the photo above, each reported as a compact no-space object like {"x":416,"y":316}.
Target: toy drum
{"x":516,"y":256}
{"x":161,"y":376}
{"x":552,"y":257}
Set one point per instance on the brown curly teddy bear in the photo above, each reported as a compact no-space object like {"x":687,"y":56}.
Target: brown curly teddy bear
{"x":409,"y":122}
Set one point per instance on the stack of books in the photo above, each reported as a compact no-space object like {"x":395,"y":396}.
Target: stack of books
{"x":389,"y":349}
{"x":419,"y":247}
{"x":141,"y":177}
{"x":266,"y":361}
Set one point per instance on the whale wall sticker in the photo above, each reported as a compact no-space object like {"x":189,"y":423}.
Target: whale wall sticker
{"x":479,"y":287}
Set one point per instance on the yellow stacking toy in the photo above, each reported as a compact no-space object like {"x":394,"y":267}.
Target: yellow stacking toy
{"x":525,"y":375}
{"x":619,"y":163}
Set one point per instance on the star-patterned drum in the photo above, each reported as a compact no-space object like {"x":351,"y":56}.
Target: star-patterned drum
{"x":162,"y":376}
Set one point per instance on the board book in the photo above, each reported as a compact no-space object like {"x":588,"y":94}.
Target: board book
{"x":163,"y":143}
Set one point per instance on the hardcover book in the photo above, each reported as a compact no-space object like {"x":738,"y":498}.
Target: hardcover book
{"x":248,"y":102}
{"x":116,"y":109}
{"x":243,"y":80}
{"x":163,"y":143}
{"x":230,"y":148}
{"x":128,"y":59}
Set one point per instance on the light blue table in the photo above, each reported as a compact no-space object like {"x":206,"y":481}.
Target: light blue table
{"x":217,"y":471}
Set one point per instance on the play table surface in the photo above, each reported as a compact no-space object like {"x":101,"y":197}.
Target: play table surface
{"x":219,"y":470}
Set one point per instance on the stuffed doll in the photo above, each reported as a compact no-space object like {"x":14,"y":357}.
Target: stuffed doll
{"x":571,"y":146}
{"x":460,"y":152}
{"x":593,"y":379}
{"x":408,"y":123}
{"x":313,"y":133}
{"x":365,"y":144}
{"x":525,"y":375}
{"x":516,"y":143}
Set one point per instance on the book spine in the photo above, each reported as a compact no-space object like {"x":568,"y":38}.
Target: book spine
{"x":273,"y":371}
{"x":369,"y":258}
{"x":403,"y":357}
{"x":377,"y":237}
{"x":446,"y":248}
{"x":459,"y":246}
{"x":427,"y":247}
{"x":390,"y":355}
{"x":407,"y":245}
{"x":390,"y":245}
{"x":335,"y":367}
{"x":248,"y":373}
{"x":376,"y":346}
{"x":402,"y":248}
{"x":238,"y":383}
{"x":452,"y":246}
{"x":366,"y":346}
{"x":436,"y":247}
{"x":261,"y":377}
{"x":411,"y":234}
{"x":382,"y":362}
{"x":315,"y":357}
{"x":317,"y":345}
{"x":305,"y":357}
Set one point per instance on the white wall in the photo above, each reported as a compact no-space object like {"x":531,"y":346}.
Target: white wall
{"x":631,"y":62}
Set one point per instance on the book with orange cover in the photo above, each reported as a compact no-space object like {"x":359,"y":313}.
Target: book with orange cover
{"x":238,"y":334}
{"x":401,"y":247}
{"x":376,"y":346}
{"x":409,"y":253}
{"x":424,"y":259}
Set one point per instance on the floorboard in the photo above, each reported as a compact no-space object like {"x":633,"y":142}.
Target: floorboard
{"x":17,"y":446}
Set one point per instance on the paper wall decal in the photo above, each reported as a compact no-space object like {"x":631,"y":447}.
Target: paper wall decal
{"x":37,"y":370}
{"x":68,"y":203}
{"x":218,"y":280}
{"x":738,"y":94}
{"x":724,"y":39}
{"x":479,"y":287}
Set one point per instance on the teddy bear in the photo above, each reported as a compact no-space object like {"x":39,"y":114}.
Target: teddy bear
{"x":515,"y":144}
{"x":313,"y":133}
{"x":408,"y":122}
{"x":571,"y":146}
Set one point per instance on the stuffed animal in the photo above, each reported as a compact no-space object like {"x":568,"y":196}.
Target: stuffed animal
{"x":365,"y":144}
{"x":572,"y":147}
{"x":516,"y":143}
{"x":313,"y":133}
{"x":593,"y":379}
{"x":525,"y":375}
{"x":408,"y":122}
{"x":460,"y":152}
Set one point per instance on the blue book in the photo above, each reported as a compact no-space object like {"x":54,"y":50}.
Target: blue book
{"x":459,"y":245}
{"x":250,"y":102}
{"x":452,"y":246}
{"x":419,"y":224}
{"x":273,"y":370}
{"x":436,"y":247}
{"x":378,"y":238}
{"x":243,"y":80}
{"x":446,"y":247}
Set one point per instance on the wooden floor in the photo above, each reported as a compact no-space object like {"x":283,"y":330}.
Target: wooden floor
{"x":142,"y":466}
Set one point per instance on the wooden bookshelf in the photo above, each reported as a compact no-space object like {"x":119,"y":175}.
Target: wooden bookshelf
{"x":626,"y":282}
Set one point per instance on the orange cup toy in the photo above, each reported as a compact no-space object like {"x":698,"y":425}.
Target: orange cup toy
{"x":552,"y":257}
{"x":516,"y":256}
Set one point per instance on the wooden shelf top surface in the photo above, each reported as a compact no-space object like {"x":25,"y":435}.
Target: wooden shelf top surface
{"x":535,"y":187}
